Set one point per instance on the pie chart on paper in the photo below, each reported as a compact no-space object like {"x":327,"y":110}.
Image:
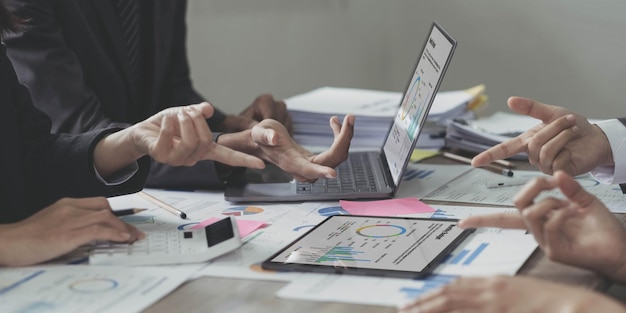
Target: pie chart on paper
{"x":242,"y":210}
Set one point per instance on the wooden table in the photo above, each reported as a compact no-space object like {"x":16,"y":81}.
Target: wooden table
{"x":210,"y":294}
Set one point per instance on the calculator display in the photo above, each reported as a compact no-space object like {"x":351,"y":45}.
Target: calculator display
{"x":219,"y":231}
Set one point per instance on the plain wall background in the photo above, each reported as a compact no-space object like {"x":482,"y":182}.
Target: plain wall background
{"x":565,"y":52}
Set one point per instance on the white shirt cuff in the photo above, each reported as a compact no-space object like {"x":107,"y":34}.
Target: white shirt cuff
{"x":615,"y":132}
{"x":120,"y":176}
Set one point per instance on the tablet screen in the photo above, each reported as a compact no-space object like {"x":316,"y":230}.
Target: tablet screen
{"x":371,"y":245}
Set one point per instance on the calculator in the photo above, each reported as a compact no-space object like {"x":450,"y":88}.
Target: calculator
{"x":170,"y":247}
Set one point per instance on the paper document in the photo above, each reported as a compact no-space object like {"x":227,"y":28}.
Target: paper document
{"x":481,"y":134}
{"x":374,"y":111}
{"x":477,"y":135}
{"x":489,"y":251}
{"x":483,"y":254}
{"x":473,"y":187}
{"x":78,"y":288}
{"x":246,"y":262}
{"x":338,"y":101}
{"x":421,"y":179}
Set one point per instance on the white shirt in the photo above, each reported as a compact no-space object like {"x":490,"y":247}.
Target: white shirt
{"x":615,"y":132}
{"x":120,"y":177}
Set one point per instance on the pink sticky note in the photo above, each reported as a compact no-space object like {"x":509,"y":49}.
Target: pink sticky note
{"x":389,"y":207}
{"x":245,"y":226}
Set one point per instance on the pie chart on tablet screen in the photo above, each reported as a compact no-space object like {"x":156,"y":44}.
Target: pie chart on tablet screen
{"x":242,"y":210}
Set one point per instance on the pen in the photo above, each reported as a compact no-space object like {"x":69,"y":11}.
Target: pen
{"x":505,"y":163}
{"x":498,"y":170}
{"x":508,"y":182}
{"x":163,"y":205}
{"x":125,"y":212}
{"x":489,"y":167}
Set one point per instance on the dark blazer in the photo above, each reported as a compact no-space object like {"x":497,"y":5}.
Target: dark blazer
{"x":72,"y":57}
{"x":39,"y":168}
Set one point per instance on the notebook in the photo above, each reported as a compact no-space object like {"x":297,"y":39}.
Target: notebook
{"x":366,"y":174}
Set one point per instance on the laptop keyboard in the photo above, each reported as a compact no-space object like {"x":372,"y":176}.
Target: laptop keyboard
{"x":353,"y":175}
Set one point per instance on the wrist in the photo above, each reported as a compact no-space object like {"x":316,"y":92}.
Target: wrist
{"x":117,"y":151}
{"x":7,"y":240}
{"x":606,"y":150}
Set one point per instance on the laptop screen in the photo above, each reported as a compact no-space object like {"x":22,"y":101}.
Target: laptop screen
{"x":417,"y":99}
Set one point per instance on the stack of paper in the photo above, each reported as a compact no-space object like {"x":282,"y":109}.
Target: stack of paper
{"x":449,"y":105}
{"x":374,"y":111}
{"x":481,"y":134}
{"x":311,"y":112}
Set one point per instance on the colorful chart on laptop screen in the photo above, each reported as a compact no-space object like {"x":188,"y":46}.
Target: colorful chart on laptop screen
{"x":242,"y":210}
{"x":416,"y":100}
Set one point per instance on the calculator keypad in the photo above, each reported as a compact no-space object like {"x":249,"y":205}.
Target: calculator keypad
{"x":162,"y":242}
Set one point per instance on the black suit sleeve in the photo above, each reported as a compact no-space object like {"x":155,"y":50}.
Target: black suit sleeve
{"x":47,"y":64}
{"x":53,"y":166}
{"x":53,"y":72}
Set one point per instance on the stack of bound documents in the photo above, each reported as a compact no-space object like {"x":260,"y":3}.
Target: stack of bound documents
{"x":481,"y":134}
{"x":374,"y":111}
{"x":311,"y":111}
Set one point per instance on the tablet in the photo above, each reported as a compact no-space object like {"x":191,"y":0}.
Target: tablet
{"x":371,"y":245}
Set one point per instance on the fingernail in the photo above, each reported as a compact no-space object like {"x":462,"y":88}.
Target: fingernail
{"x":351,"y":120}
{"x":125,"y":236}
{"x":269,"y":137}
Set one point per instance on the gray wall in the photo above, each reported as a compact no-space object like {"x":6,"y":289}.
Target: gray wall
{"x":565,"y":52}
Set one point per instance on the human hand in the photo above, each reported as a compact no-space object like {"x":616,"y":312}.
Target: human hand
{"x":61,"y":228}
{"x":274,"y":144}
{"x":504,"y":294}
{"x":563,"y":141}
{"x":578,"y":230}
{"x":498,"y":220}
{"x":263,"y":107}
{"x":181,"y":136}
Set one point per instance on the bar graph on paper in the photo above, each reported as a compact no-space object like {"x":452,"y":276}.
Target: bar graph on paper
{"x":466,"y":256}
{"x":460,"y":212}
{"x":489,"y":253}
{"x":431,"y":283}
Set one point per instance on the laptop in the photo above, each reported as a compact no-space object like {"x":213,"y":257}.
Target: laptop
{"x":365,"y":174}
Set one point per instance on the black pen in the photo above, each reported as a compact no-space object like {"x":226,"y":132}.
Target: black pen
{"x":125,"y":212}
{"x":507,"y":183}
